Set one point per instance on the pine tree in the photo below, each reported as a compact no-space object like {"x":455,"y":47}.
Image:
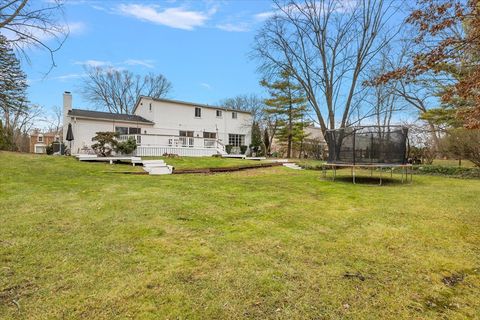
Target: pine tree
{"x":13,"y":87}
{"x":288,"y":103}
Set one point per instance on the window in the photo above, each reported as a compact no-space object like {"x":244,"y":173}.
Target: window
{"x":236,"y":140}
{"x":209,"y":135}
{"x":219,"y":113}
{"x":57,"y":138}
{"x":186,"y":138}
{"x":134,"y":131}
{"x":121,"y":130}
{"x":186,"y":134}
{"x":150,"y":107}
{"x":234,"y":114}
{"x":40,"y":138}
{"x":198,"y":112}
{"x":127,"y":130}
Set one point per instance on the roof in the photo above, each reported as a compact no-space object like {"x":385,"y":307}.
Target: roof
{"x":193,"y":104}
{"x":107,"y":116}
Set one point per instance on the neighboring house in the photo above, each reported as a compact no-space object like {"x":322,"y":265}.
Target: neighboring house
{"x":40,"y":140}
{"x":314,"y":145}
{"x":162,"y":126}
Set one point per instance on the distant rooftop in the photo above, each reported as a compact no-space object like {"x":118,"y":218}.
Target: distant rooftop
{"x":107,"y":116}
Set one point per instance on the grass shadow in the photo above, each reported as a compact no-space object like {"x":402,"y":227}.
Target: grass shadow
{"x":367,"y":180}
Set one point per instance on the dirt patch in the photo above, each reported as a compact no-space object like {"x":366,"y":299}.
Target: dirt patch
{"x":453,"y":279}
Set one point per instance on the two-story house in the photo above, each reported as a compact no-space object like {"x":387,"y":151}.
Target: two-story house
{"x":163,"y":126}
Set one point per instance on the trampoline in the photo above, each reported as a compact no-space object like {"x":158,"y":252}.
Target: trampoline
{"x":371,"y":147}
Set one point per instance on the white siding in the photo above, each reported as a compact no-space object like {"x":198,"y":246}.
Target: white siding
{"x":85,"y":129}
{"x":170,"y":118}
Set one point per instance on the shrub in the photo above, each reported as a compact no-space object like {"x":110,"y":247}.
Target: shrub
{"x":126,"y":147}
{"x":49,"y":149}
{"x":457,"y":172}
{"x":228,"y":148}
{"x":243,"y":149}
{"x":106,"y":143}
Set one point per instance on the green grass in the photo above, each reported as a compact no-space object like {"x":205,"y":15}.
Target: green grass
{"x":79,"y":242}
{"x":204,"y":162}
{"x":453,"y":163}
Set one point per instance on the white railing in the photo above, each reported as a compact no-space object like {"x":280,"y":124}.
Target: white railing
{"x":154,"y":151}
{"x":158,"y":145}
{"x":125,"y":137}
{"x":210,"y":143}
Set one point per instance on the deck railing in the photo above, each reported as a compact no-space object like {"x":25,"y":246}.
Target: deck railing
{"x":158,"y":140}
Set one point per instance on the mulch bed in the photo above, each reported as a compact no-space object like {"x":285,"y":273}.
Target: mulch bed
{"x":212,"y":170}
{"x":226,"y":169}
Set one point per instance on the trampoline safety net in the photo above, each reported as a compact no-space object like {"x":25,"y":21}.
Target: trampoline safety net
{"x":368,"y":145}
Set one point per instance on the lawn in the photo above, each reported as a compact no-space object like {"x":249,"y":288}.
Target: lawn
{"x":80,"y":242}
{"x":205,"y":162}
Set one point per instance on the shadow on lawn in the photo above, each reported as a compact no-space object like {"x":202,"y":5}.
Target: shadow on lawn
{"x":367,"y":180}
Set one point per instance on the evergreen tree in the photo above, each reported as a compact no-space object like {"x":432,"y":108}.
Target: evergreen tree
{"x":13,"y":87}
{"x":288,"y":103}
{"x":257,"y":143}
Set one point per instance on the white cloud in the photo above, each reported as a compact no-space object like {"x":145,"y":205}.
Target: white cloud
{"x":144,"y":63}
{"x":93,"y":63}
{"x":179,"y":17}
{"x":232,"y":27}
{"x":206,"y":86}
{"x":263,"y":15}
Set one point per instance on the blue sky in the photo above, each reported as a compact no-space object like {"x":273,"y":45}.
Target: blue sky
{"x":201,"y":46}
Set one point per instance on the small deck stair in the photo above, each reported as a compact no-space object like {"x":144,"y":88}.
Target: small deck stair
{"x":292,"y":165}
{"x":156,"y":167}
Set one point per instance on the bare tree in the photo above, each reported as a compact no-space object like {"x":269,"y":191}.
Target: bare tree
{"x":33,"y":23}
{"x":117,"y":90}
{"x":53,"y":120}
{"x":326,"y":44}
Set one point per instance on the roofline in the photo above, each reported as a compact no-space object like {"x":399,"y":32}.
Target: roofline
{"x":111,"y":120}
{"x":186,"y":103}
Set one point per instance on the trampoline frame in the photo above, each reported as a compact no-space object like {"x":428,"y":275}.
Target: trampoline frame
{"x":406,"y":169}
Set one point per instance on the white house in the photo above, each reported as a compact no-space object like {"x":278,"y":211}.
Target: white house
{"x":162,"y":126}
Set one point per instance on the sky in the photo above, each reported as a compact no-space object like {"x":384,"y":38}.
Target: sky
{"x":201,"y":46}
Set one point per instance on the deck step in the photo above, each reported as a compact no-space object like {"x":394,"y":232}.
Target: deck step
{"x":292,"y":166}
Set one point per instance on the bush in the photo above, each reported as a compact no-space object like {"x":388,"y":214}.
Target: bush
{"x":243,"y":149}
{"x":228,"y":148}
{"x":106,"y":143}
{"x":126,"y":147}
{"x":457,"y":172}
{"x":49,"y":149}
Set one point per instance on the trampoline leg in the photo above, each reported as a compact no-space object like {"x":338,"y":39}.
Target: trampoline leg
{"x":380,"y":176}
{"x":334,"y":173}
{"x":391,"y":172}
{"x":353,"y":174}
{"x":401,"y":172}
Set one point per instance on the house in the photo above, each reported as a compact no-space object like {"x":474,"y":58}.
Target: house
{"x":40,"y":140}
{"x":314,"y":145}
{"x":162,"y":126}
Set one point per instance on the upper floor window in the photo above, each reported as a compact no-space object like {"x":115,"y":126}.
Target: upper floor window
{"x":40,"y":138}
{"x":150,"y":107}
{"x":234,"y":114}
{"x":198,"y":112}
{"x":219,"y":113}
